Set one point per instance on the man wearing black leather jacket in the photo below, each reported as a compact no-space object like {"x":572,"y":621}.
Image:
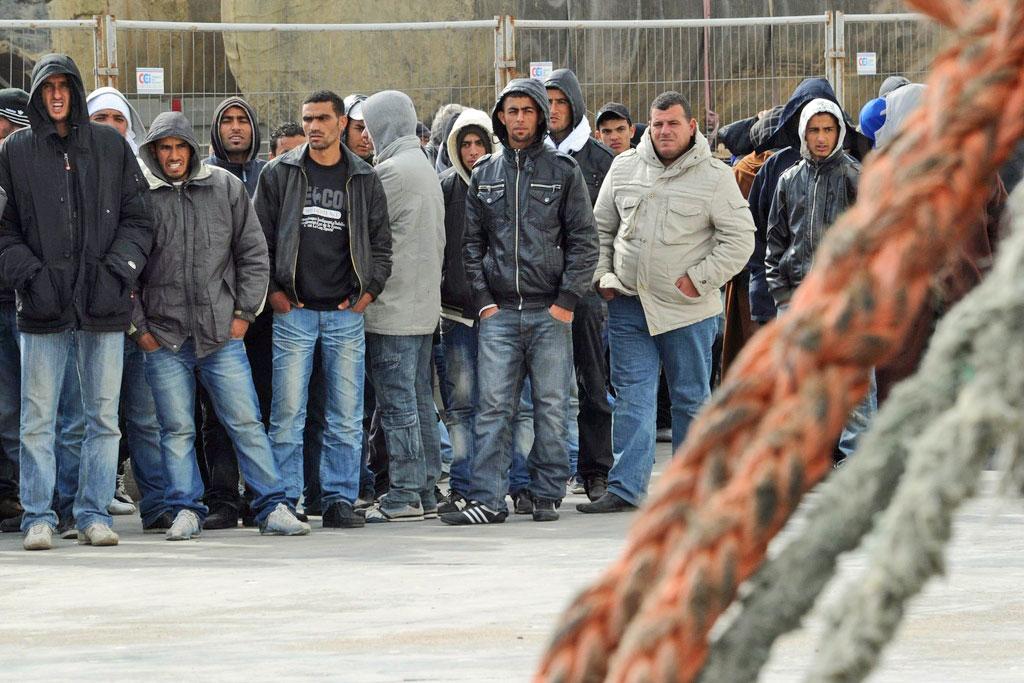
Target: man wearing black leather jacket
{"x":570,"y":132}
{"x":530,"y":249}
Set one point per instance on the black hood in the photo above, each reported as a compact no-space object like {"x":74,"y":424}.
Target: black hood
{"x":49,"y":65}
{"x":787,"y":134}
{"x":166,"y":125}
{"x":527,"y":87}
{"x":566,"y":81}
{"x":218,"y":146}
{"x":736,"y":136}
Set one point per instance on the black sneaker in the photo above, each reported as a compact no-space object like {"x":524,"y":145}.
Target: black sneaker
{"x":524,"y":503}
{"x":11,"y":525}
{"x":160,"y":525}
{"x":544,"y":510}
{"x":474,"y":513}
{"x":221,"y":518}
{"x":66,"y":528}
{"x":596,"y":487}
{"x":453,"y":502}
{"x":342,"y":515}
{"x":609,"y":502}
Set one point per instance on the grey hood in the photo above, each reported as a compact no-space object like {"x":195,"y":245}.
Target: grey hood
{"x":525,"y":87}
{"x":390,"y":116}
{"x":899,"y":104}
{"x":566,"y":81}
{"x":218,"y":145}
{"x":169,"y":124}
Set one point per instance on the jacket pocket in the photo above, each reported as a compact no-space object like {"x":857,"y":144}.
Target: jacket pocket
{"x":628,"y":208}
{"x":41,"y":299}
{"x":544,"y":201}
{"x":492,"y":196}
{"x":108,"y":295}
{"x":682,"y":223}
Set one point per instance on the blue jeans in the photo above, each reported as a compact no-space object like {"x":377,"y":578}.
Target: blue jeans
{"x":10,"y":401}
{"x":342,"y":351}
{"x":402,"y":377}
{"x":143,"y":434}
{"x":70,"y":433}
{"x":227,"y":378}
{"x":459,"y":391}
{"x":636,"y":359}
{"x":860,"y":417}
{"x":513,"y":345}
{"x":44,"y":366}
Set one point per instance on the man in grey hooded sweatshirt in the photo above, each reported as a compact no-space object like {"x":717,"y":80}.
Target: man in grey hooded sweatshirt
{"x":400,"y":324}
{"x":201,"y":288}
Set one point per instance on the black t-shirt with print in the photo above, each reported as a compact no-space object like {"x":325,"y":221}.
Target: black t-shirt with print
{"x":323,"y":272}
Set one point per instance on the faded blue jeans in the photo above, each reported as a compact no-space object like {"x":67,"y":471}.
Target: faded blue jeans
{"x":458,"y":388}
{"x":226,"y":375}
{"x":514,"y":345}
{"x":44,"y":366}
{"x":401,"y":371}
{"x":636,"y":361}
{"x":342,"y":351}
{"x":10,"y":401}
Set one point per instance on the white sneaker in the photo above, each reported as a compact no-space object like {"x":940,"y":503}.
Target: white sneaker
{"x":119,"y":507}
{"x":281,"y":522}
{"x":97,"y":533}
{"x":38,"y":537}
{"x":185,"y":526}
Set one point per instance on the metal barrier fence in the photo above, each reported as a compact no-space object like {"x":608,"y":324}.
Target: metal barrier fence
{"x":734,"y":67}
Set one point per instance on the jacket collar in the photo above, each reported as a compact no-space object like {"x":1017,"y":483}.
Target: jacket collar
{"x":299,"y":155}
{"x":156,"y":182}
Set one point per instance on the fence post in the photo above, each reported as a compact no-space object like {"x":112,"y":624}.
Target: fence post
{"x":105,"y":48}
{"x":504,"y":52}
{"x":838,"y":57}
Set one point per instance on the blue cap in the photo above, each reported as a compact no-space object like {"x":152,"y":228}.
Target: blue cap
{"x":872,"y":116}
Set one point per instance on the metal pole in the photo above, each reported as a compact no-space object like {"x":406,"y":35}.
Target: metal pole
{"x":839,"y":54}
{"x":504,"y":52}
{"x":111,"y":32}
{"x":708,"y":123}
{"x":105,"y":50}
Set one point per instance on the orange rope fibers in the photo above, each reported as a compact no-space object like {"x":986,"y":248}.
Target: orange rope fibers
{"x":766,"y":436}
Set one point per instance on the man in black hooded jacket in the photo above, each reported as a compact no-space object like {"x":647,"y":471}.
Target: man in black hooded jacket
{"x":74,"y":236}
{"x":569,"y":130}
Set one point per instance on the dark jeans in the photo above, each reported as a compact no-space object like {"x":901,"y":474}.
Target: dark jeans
{"x":10,"y":401}
{"x":595,"y":416}
{"x":401,"y":371}
{"x":511,"y":346}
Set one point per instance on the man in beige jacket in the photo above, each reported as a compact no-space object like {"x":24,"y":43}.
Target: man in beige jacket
{"x":673,"y":228}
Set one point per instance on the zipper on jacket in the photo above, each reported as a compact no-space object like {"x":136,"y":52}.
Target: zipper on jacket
{"x":518,"y":291}
{"x":190,"y":265}
{"x":298,"y":237}
{"x":814,"y":205}
{"x":351,"y":233}
{"x":71,"y":205}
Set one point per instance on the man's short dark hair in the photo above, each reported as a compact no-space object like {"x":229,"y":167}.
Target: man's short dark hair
{"x":327,"y":96}
{"x":288,"y":129}
{"x":667,"y":100}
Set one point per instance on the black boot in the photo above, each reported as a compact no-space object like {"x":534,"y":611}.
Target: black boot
{"x":609,"y":502}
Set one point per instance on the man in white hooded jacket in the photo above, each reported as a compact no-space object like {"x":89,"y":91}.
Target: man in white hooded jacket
{"x":809,"y":198}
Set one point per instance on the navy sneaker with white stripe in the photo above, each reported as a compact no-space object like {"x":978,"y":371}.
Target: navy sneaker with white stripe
{"x":474,"y":513}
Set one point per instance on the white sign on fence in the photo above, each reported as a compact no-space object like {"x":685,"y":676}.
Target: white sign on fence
{"x":149,"y":81}
{"x":867,"y":63}
{"x":541,"y":70}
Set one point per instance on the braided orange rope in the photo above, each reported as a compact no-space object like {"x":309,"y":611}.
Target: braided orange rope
{"x":767,"y":435}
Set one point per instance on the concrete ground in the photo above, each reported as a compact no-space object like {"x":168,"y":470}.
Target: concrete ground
{"x":424,"y":602}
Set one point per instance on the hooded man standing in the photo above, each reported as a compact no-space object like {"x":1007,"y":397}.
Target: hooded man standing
{"x":73,"y":238}
{"x":530,"y":249}
{"x":570,"y":131}
{"x":325,"y":217}
{"x":400,"y":324}
{"x":235,"y":139}
{"x":809,"y":198}
{"x":200,"y":290}
{"x":470,"y":139}
{"x":13,"y":116}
